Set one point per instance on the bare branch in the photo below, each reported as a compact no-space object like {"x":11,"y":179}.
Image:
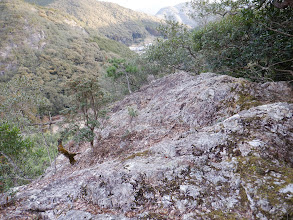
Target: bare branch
{"x":15,"y":167}
{"x":280,"y":32}
{"x":286,"y":71}
{"x":42,"y":124}
{"x":282,"y":5}
{"x":285,"y":61}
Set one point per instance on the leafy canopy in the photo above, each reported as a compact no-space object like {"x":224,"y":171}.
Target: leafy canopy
{"x":124,"y":71}
{"x":22,"y":101}
{"x":253,"y":39}
{"x":13,"y":147}
{"x":86,"y":102}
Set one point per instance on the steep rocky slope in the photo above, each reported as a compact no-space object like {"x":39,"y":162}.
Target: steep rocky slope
{"x":198,"y":147}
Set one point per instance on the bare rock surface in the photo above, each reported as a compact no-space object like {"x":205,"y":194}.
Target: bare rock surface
{"x":183,"y":147}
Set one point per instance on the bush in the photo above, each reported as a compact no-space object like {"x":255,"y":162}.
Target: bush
{"x":242,"y":45}
{"x":173,"y":51}
{"x":23,"y":158}
{"x":255,"y":43}
{"x":128,"y":73}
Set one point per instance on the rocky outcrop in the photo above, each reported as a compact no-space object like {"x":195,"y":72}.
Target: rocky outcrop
{"x":183,"y":147}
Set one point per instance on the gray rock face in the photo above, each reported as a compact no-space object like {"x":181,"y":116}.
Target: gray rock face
{"x":199,"y":147}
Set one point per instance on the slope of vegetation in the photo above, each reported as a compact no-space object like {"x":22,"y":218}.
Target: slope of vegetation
{"x":52,"y":62}
{"x":26,"y":149}
{"x":50,"y":47}
{"x":111,"y":20}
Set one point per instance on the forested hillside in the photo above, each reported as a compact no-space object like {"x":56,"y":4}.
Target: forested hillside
{"x":111,"y":20}
{"x":50,"y":47}
{"x":41,"y":51}
{"x":53,"y":63}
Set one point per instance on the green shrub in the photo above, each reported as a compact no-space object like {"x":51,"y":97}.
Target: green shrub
{"x":23,"y":158}
{"x":254,"y":42}
{"x":49,"y":50}
{"x":173,"y":51}
{"x":242,"y":45}
{"x":126,"y":72}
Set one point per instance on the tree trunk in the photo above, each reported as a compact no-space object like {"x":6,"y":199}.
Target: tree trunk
{"x":128,"y":84}
{"x":283,"y":5}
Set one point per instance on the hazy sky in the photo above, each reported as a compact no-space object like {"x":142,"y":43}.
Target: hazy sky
{"x":149,"y":6}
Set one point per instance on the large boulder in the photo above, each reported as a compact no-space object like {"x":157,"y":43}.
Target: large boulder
{"x":183,"y":147}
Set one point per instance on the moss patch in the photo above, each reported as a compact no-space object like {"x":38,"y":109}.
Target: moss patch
{"x":274,"y":177}
{"x":246,"y":101}
{"x":218,"y":214}
{"x":146,"y":153}
{"x":242,"y":100}
{"x":155,"y":216}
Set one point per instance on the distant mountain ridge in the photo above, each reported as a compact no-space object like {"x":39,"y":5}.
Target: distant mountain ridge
{"x":178,"y":13}
{"x":110,"y":19}
{"x":181,"y":13}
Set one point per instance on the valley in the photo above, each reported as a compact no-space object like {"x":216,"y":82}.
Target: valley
{"x":51,"y":44}
{"x":141,"y":47}
{"x":176,"y":123}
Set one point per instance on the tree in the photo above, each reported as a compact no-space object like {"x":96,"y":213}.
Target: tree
{"x":24,"y":148}
{"x":120,"y":68}
{"x":87,"y":99}
{"x":13,"y":151}
{"x":253,"y":39}
{"x":174,"y":50}
{"x":228,"y":7}
{"x":278,"y":4}
{"x":222,"y":8}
